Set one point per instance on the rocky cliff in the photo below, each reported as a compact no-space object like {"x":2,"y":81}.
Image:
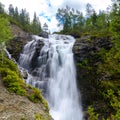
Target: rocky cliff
{"x":87,"y":56}
{"x":16,"y":44}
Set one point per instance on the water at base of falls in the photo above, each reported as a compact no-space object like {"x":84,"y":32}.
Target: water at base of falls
{"x":56,"y":55}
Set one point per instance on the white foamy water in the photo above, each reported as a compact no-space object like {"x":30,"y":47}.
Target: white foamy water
{"x":62,"y":94}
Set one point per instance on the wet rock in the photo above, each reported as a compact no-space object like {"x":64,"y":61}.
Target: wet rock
{"x":43,"y":34}
{"x":25,"y":74}
{"x":16,"y":44}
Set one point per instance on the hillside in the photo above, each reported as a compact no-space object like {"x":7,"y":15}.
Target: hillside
{"x":19,"y":101}
{"x":16,"y":107}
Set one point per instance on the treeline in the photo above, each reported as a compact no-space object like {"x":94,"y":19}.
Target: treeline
{"x":75,"y":23}
{"x":22,"y":19}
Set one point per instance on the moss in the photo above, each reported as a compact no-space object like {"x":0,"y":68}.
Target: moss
{"x":11,"y":77}
{"x":7,"y":63}
{"x":35,"y":96}
{"x":23,"y":118}
{"x":39,"y":116}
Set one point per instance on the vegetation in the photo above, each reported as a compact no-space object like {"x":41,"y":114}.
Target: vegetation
{"x":14,"y":83}
{"x":104,"y":76}
{"x":102,"y":68}
{"x":20,"y":18}
{"x":74,"y":23}
{"x":39,"y":116}
{"x":5,"y":32}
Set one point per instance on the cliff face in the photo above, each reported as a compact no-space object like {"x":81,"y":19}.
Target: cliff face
{"x":20,"y":38}
{"x":87,"y":58}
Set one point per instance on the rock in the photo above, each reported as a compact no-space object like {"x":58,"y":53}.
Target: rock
{"x":25,"y":74}
{"x":18,"y":32}
{"x":43,"y":34}
{"x":85,"y":49}
{"x":16,"y":44}
{"x":86,"y":46}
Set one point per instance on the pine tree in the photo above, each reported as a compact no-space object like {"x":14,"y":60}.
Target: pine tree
{"x":11,"y":10}
{"x":1,"y":8}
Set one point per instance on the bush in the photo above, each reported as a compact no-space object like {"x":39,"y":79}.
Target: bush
{"x":92,"y":114}
{"x":14,"y":83}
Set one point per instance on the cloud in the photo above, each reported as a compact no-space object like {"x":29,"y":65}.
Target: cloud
{"x":46,"y":9}
{"x":81,"y":5}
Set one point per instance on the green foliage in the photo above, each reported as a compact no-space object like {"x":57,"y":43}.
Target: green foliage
{"x":39,"y":116}
{"x":115,"y":16}
{"x":69,"y":18}
{"x":11,"y":77}
{"x":92,"y":114}
{"x":14,"y":83}
{"x":23,"y":118}
{"x":114,"y":101}
{"x":5,"y":31}
{"x":111,"y":65}
{"x":73,"y":20}
{"x":22,"y":19}
{"x":35,"y":25}
{"x":36,"y":96}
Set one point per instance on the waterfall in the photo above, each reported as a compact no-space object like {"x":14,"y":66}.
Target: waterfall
{"x":54,"y":73}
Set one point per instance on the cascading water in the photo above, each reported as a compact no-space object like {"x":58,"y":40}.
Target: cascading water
{"x":55,"y":72}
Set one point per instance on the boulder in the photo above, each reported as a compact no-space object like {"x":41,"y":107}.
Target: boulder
{"x":43,"y":34}
{"x":25,"y":74}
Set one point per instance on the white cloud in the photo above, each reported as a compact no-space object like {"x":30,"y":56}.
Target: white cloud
{"x":56,"y":2}
{"x":49,"y":8}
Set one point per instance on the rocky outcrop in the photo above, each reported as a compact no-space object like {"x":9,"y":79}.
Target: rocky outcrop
{"x":86,"y":56}
{"x":43,"y":34}
{"x":87,"y":46}
{"x":16,"y":44}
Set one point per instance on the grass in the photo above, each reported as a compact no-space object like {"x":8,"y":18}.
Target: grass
{"x":14,"y":83}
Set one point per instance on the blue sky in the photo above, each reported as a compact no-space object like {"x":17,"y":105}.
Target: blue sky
{"x":46,"y":9}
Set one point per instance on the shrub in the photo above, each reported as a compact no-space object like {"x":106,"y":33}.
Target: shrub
{"x":92,"y":114}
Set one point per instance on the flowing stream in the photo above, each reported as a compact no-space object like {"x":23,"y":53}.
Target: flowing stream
{"x":52,"y":70}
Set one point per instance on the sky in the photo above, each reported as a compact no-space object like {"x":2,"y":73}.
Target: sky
{"x":46,"y":9}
